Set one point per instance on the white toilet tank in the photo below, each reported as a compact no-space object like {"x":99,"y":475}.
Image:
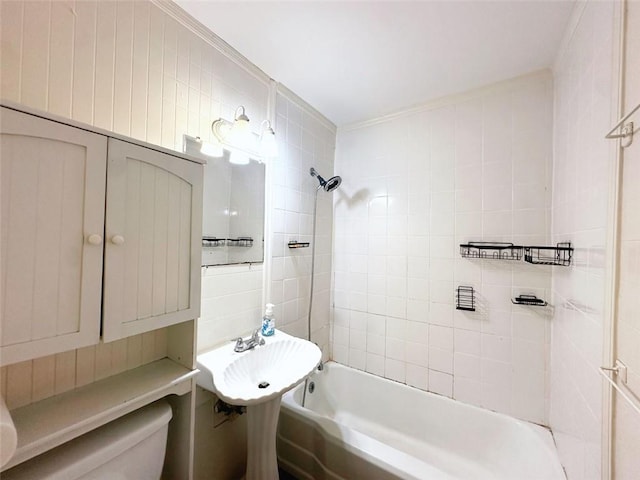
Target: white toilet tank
{"x":129,"y":448}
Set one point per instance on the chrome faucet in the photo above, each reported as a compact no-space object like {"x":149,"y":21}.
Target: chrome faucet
{"x":253,"y":341}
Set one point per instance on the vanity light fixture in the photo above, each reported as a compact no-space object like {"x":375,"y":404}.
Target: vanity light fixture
{"x":268,"y":144}
{"x":241,"y":141}
{"x":236,"y":134}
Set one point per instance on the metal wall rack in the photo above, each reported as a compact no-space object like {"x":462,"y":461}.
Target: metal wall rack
{"x":294,"y":244}
{"x":491,"y":250}
{"x":240,"y":242}
{"x":465,"y":298}
{"x":213,"y":242}
{"x":560,"y":255}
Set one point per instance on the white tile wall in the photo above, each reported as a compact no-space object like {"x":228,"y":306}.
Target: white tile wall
{"x":584,"y":109}
{"x":476,"y":167}
{"x":231,"y":303}
{"x":305,"y":140}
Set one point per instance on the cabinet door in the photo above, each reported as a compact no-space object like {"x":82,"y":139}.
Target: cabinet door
{"x":52,"y":194}
{"x":153,"y":240}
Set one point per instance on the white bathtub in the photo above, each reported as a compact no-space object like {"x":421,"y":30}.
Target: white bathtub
{"x":359,"y":426}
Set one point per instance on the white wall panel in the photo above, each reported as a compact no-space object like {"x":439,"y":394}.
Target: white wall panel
{"x":44,"y":375}
{"x":11,"y":38}
{"x":60,"y":62}
{"x":123,"y":65}
{"x":34,"y":67}
{"x":33,"y":380}
{"x":104,"y":69}
{"x":140,"y":69}
{"x":84,"y":48}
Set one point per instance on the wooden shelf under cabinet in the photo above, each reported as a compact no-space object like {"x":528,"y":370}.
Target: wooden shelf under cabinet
{"x":53,"y":421}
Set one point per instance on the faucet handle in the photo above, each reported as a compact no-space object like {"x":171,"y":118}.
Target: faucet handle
{"x":239,"y":341}
{"x":256,"y":338}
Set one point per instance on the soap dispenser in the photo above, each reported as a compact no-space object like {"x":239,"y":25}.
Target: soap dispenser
{"x":268,"y":322}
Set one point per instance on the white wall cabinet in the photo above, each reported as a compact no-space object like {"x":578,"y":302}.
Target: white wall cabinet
{"x":153,"y":240}
{"x":55,"y":231}
{"x":53,"y":188}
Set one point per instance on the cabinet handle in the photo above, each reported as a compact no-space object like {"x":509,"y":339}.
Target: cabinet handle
{"x":94,"y":239}
{"x":117,"y":239}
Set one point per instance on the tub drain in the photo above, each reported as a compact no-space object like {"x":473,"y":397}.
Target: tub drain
{"x":263,"y":384}
{"x":312,"y":387}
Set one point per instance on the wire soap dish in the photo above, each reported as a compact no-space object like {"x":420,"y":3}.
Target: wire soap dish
{"x":529,"y":300}
{"x":296,"y":244}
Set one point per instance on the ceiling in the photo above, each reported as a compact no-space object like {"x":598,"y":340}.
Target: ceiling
{"x":356,"y":60}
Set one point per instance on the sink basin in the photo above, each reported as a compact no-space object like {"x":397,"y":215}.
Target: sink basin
{"x":260,"y":374}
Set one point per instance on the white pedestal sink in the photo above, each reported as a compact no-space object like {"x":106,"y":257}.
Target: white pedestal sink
{"x":262,"y":422}
{"x":257,"y":378}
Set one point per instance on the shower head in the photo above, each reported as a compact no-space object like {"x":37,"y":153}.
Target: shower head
{"x":328,"y":185}
{"x":332,"y":183}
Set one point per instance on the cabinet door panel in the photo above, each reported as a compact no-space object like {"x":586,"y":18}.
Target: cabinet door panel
{"x":153,"y":230}
{"x":53,"y":185}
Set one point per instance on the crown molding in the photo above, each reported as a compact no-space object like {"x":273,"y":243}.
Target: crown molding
{"x":177,"y":13}
{"x":453,"y":99}
{"x":285,"y":92}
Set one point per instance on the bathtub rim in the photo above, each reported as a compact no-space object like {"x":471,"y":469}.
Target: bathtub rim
{"x":331,"y":432}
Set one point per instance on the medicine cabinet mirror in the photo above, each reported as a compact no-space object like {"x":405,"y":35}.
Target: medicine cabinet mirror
{"x":233,"y":207}
{"x":233,"y":213}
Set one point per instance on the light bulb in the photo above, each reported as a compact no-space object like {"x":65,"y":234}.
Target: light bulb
{"x":240,"y":135}
{"x":268,"y":144}
{"x":239,"y":158}
{"x":212,"y":149}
